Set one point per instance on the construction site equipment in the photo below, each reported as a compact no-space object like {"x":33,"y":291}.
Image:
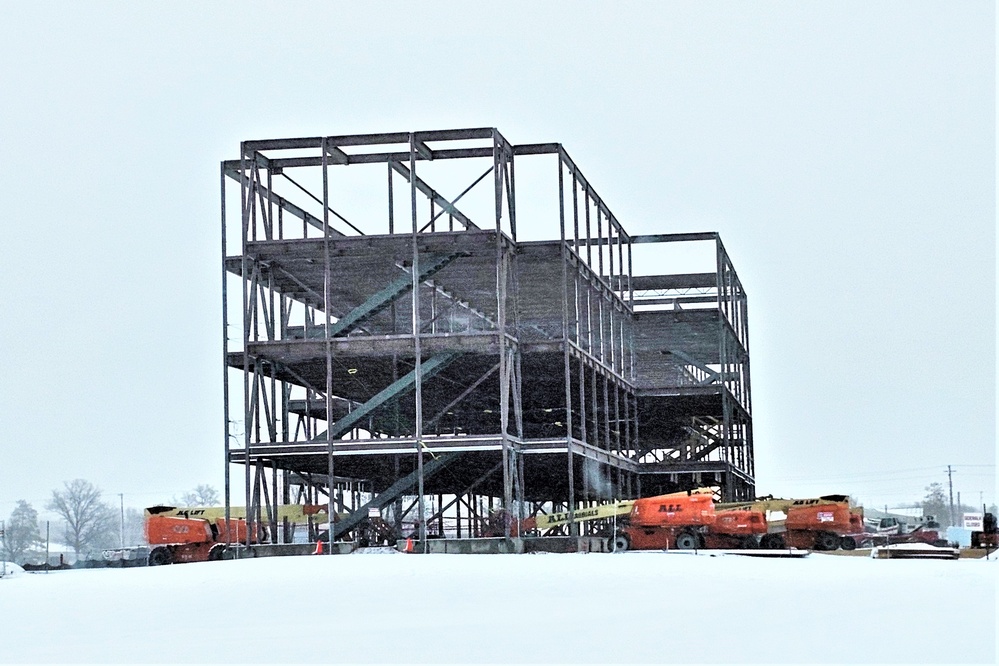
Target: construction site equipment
{"x":827,"y":522}
{"x":695,"y":521}
{"x":820,"y":526}
{"x":988,"y":536}
{"x":290,"y":515}
{"x":547,"y":521}
{"x":608,"y":511}
{"x":177,"y":539}
{"x":891,"y":530}
{"x":929,"y":533}
{"x":173,"y":527}
{"x":295,"y":513}
{"x":601,"y":511}
{"x":736,"y":529}
{"x":667,"y":521}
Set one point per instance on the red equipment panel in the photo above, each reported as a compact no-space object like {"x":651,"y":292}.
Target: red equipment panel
{"x":173,"y":529}
{"x":827,"y":517}
{"x":742,"y":523}
{"x":670,"y":510}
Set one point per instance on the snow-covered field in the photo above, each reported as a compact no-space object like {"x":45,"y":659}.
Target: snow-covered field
{"x":628,"y":607}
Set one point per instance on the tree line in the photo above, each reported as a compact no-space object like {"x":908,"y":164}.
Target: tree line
{"x":87,"y":523}
{"x":937,"y":503}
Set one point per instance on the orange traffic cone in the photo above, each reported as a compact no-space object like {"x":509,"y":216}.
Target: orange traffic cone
{"x":409,"y":545}
{"x":319,"y":548}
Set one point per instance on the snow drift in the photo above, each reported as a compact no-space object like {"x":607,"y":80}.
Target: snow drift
{"x":629,"y":607}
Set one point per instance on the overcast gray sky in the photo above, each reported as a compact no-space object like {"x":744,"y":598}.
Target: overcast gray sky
{"x":845,"y":151}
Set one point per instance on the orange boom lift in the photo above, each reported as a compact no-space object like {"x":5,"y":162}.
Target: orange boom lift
{"x":693,"y":520}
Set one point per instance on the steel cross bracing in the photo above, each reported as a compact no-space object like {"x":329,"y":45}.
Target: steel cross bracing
{"x":432,"y":328}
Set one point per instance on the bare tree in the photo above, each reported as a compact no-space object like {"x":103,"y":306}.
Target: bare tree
{"x":90,"y":523}
{"x":134,"y":521}
{"x":21,"y":535}
{"x":203,"y":495}
{"x":935,"y":503}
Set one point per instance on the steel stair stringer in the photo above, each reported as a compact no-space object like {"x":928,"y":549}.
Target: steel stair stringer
{"x":429,"y":368}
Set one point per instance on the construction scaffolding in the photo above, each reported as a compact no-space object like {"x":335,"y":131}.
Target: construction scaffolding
{"x":449,"y":365}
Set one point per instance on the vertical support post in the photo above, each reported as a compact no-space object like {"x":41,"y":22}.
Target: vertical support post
{"x":575,"y":211}
{"x":274,"y":500}
{"x":600,"y":239}
{"x":607,"y":251}
{"x":246,"y":203}
{"x":594,"y":405}
{"x":725,"y":421}
{"x":270,"y":205}
{"x":589,"y":310}
{"x":620,"y":262}
{"x":327,"y":297}
{"x":512,"y":198}
{"x":391,"y":204}
{"x":636,"y":423}
{"x":225,"y":360}
{"x":504,"y":362}
{"x":519,"y":416}
{"x":607,"y":413}
{"x":418,"y":383}
{"x":627,"y":419}
{"x":518,"y":406}
{"x":631,"y":288}
{"x":571,"y":503}
{"x":582,"y":400}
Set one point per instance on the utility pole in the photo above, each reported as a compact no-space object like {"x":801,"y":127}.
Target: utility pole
{"x":950,"y":485}
{"x":121,"y":501}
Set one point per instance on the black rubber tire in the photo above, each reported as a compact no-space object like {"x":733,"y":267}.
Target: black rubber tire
{"x":216,"y":552}
{"x":749,"y":543}
{"x":621,"y":543}
{"x":826,"y":541}
{"x":160,"y":556}
{"x":686,"y":541}
{"x":848,"y":543}
{"x":772,"y":542}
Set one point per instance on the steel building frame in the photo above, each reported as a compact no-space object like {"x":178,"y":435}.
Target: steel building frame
{"x":437,"y":363}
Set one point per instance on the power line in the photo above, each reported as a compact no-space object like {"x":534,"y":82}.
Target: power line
{"x":878,"y":473}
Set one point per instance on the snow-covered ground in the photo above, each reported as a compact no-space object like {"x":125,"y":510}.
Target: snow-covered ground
{"x":628,"y":607}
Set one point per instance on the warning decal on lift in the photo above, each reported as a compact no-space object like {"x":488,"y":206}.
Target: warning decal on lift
{"x":547,"y":521}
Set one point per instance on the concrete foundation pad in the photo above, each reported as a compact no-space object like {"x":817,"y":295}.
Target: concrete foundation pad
{"x":288,"y":549}
{"x":497,"y":545}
